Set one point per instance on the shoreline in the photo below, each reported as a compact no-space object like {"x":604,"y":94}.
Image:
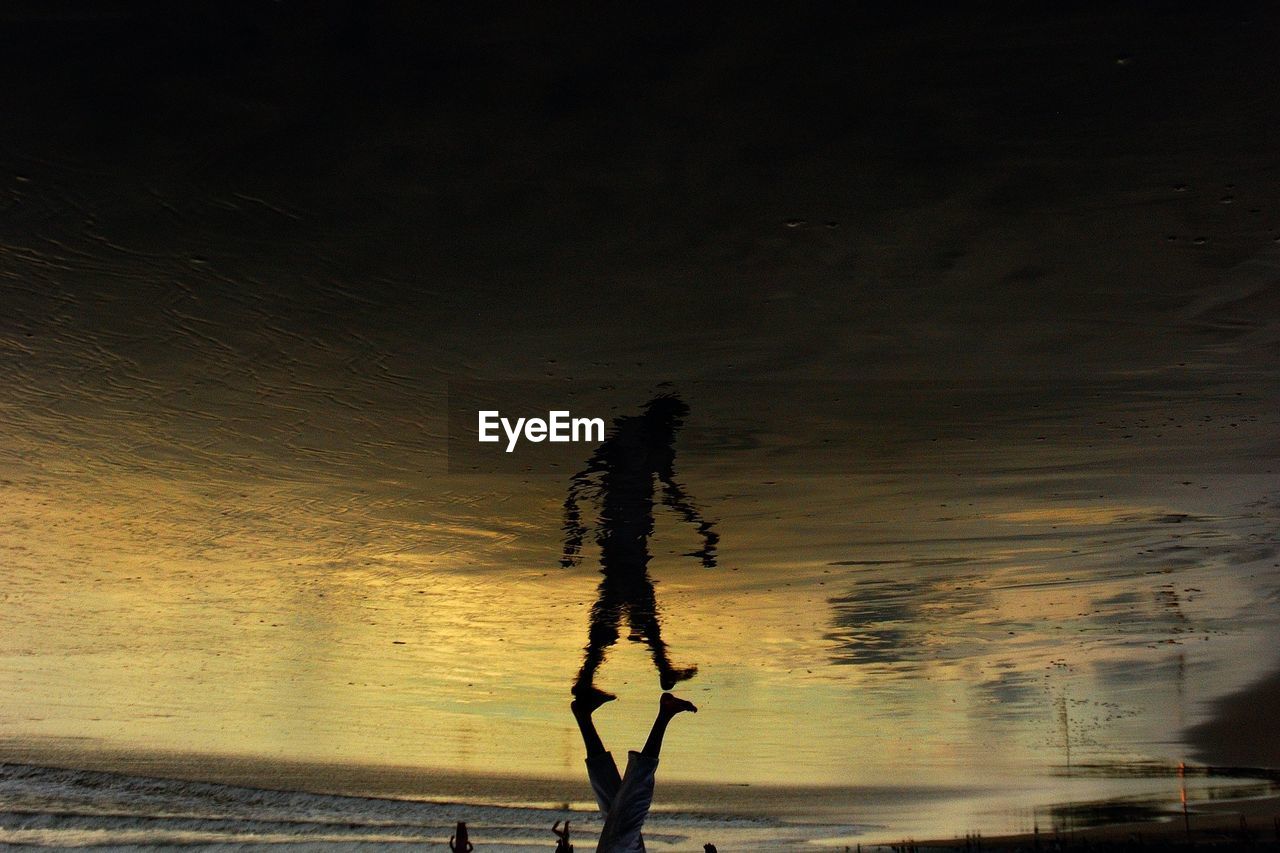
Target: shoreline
{"x":1210,"y":821}
{"x":388,"y":781}
{"x":1240,"y":737}
{"x":1251,"y":821}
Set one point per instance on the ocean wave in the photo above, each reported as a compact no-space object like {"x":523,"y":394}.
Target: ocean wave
{"x":71,"y":808}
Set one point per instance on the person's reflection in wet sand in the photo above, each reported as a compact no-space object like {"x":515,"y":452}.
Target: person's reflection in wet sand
{"x":620,"y":475}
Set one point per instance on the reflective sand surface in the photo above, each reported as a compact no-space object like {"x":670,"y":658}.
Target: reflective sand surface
{"x":983,"y":407}
{"x":930,"y":611}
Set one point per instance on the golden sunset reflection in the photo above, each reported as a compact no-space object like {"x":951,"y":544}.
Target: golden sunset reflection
{"x":937,"y":356}
{"x":929,"y":646}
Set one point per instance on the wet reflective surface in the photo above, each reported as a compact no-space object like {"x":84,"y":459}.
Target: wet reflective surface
{"x":982,"y":409}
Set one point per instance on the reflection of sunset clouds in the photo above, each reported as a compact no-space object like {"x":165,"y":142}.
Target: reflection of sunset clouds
{"x":1068,"y":515}
{"x":983,"y":405}
{"x":915,"y":644}
{"x":910,"y":582}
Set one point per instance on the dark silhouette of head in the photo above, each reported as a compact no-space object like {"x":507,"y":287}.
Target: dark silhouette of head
{"x":666,"y":411}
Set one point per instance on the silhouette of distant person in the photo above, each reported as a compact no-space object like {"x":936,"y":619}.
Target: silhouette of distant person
{"x":563,"y":844}
{"x":458,"y":842}
{"x":624,"y":800}
{"x":620,"y":475}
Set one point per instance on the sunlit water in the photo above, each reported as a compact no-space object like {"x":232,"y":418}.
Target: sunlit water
{"x":230,"y":527}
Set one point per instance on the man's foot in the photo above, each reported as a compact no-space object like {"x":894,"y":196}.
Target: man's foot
{"x":674,"y":704}
{"x":588,"y":698}
{"x":671,"y":677}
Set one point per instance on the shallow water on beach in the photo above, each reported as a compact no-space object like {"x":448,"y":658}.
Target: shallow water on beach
{"x":66,"y":808}
{"x":962,"y":584}
{"x":983,"y":412}
{"x":74,"y":808}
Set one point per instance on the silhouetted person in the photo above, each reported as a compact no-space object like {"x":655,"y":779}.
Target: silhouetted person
{"x":709,"y":848}
{"x":624,"y":800}
{"x":562,"y":838}
{"x":458,"y":842}
{"x":620,"y":474}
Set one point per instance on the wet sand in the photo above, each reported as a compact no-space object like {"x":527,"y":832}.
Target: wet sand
{"x":520,"y":790}
{"x":820,"y":815}
{"x":1035,"y":255}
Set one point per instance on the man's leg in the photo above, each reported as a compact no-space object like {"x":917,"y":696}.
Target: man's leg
{"x":625,"y":820}
{"x":668,"y":707}
{"x":601,"y":769}
{"x":643,"y":617}
{"x":603,"y":633}
{"x":583,"y":707}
